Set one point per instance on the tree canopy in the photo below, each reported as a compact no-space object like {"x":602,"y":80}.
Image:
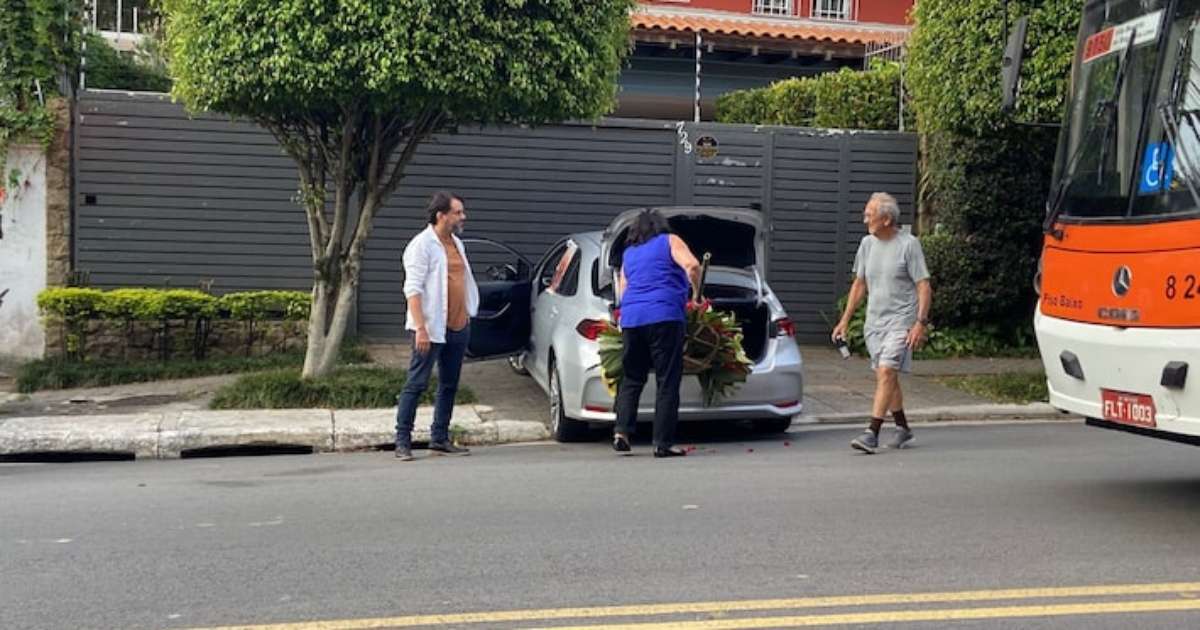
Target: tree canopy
{"x":477,"y":60}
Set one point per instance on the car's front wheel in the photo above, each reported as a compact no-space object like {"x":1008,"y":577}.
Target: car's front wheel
{"x":563,"y":429}
{"x":517,"y":363}
{"x":772,"y":425}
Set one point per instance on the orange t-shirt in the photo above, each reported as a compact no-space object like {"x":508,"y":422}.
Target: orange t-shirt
{"x":456,"y":285}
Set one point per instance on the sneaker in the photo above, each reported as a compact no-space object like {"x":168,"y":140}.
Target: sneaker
{"x":404,"y":454}
{"x":867,"y":442}
{"x":901,"y":438}
{"x":446,"y":448}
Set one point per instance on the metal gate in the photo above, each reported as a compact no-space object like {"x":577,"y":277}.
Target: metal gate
{"x":167,"y":199}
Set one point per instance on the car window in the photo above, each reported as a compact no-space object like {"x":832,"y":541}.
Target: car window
{"x":565,"y":279}
{"x":605,"y":291}
{"x":492,"y":262}
{"x":549,"y":265}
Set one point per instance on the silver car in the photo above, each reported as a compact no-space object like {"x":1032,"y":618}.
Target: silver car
{"x":548,"y":316}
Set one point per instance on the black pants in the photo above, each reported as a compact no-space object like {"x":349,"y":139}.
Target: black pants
{"x":659,"y":346}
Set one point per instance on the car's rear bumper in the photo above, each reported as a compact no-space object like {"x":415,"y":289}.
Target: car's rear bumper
{"x":774,"y":390}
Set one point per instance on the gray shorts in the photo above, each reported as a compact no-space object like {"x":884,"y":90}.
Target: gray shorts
{"x":889,"y":349}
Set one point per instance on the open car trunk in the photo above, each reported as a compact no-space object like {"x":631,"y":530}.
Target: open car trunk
{"x":735,"y":238}
{"x":752,"y":314}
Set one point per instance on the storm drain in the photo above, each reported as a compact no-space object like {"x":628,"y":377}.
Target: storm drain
{"x":64,"y":457}
{"x":247,"y":450}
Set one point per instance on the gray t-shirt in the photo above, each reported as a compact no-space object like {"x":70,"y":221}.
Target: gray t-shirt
{"x":892,"y":269}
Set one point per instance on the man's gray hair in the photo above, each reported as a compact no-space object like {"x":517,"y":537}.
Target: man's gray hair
{"x":887,"y":206}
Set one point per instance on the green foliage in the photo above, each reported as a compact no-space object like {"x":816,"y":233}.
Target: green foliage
{"x":481,"y":60}
{"x":73,"y":308}
{"x":950,"y":342}
{"x":254,"y":305}
{"x":108,"y":68}
{"x":954,"y":62}
{"x":744,"y":106}
{"x":845,"y":99}
{"x":159,"y":304}
{"x":70,"y":302}
{"x":39,"y":43}
{"x":344,"y":388}
{"x":61,"y":374}
{"x":988,"y":197}
{"x":1013,"y":387}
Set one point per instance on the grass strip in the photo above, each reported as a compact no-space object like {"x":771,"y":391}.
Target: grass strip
{"x":352,"y":387}
{"x":1012,"y":387}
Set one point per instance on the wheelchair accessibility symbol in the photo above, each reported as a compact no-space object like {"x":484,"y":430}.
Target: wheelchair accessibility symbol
{"x":1158,"y":168}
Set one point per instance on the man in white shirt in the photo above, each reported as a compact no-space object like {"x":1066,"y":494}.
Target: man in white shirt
{"x":442,"y":297}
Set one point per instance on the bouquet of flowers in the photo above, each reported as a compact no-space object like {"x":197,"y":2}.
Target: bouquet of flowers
{"x":712,"y":351}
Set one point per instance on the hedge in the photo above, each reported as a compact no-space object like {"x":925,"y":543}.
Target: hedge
{"x":846,"y":99}
{"x":72,"y":308}
{"x":954,"y":53}
{"x":985,"y":174}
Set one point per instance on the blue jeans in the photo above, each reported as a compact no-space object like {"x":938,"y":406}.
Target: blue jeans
{"x":449,"y":359}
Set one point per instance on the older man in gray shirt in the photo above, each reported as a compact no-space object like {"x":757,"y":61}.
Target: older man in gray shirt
{"x":890,"y":271}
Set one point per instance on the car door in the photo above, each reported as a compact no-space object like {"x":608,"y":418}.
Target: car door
{"x":551,"y":281}
{"x":501,"y":327}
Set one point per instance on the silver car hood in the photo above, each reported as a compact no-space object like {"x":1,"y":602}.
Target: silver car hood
{"x":736,"y":237}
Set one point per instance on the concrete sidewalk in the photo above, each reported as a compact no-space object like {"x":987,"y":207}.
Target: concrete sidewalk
{"x":171,"y":419}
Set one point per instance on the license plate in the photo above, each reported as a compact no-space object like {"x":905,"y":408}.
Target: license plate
{"x":1126,"y":408}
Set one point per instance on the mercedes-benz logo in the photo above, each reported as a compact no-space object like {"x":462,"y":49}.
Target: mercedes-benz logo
{"x":1121,"y":280}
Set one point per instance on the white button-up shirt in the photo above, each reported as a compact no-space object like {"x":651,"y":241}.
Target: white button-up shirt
{"x":425,"y":274}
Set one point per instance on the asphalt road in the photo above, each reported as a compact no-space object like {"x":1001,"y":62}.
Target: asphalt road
{"x":996,"y":526}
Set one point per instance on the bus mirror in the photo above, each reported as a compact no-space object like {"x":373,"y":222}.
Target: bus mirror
{"x":1010,"y":66}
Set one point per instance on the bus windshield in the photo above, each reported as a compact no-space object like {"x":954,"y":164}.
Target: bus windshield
{"x":1114,"y":71}
{"x":1106,"y":168}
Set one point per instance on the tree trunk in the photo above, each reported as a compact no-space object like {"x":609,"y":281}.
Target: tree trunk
{"x":327,"y":327}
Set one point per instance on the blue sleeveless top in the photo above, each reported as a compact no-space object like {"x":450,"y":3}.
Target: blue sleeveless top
{"x":656,"y":289}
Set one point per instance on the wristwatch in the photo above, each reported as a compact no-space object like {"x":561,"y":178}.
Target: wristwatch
{"x":924,"y":321}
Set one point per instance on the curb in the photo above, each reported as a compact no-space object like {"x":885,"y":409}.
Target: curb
{"x":1031,"y":411}
{"x":181,"y":434}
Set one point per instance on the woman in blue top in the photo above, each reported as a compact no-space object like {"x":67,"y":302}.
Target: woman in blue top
{"x":656,"y":271}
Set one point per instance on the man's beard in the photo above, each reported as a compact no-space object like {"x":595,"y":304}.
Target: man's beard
{"x":458,"y":229}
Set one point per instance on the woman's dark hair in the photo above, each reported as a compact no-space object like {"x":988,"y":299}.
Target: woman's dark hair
{"x":649,"y":223}
{"x":439,"y":203}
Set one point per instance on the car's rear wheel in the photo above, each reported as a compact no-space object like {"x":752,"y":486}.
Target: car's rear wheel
{"x":772,"y":425}
{"x":563,"y":429}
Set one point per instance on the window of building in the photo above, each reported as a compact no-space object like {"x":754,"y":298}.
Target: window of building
{"x":831,"y":9}
{"x":773,"y":7}
{"x":122,"y":16}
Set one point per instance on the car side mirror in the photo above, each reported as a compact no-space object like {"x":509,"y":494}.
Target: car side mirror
{"x":1010,"y":66}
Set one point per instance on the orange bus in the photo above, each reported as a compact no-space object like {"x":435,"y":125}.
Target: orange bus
{"x":1118,"y":315}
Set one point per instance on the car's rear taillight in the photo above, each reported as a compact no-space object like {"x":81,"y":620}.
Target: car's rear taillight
{"x":783,"y":327}
{"x":590,"y":329}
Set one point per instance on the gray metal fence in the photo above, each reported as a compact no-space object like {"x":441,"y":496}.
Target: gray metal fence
{"x":164,"y":198}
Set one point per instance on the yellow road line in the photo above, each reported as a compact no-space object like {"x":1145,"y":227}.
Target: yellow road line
{"x":902,"y":616}
{"x":596,"y":612}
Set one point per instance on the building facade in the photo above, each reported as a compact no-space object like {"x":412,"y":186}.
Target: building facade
{"x":746,"y":44}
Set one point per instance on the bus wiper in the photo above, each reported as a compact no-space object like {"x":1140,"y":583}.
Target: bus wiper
{"x":1170,"y":116}
{"x":1106,"y":108}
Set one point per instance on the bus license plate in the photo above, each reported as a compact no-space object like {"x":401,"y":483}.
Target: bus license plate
{"x":1127,"y":408}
